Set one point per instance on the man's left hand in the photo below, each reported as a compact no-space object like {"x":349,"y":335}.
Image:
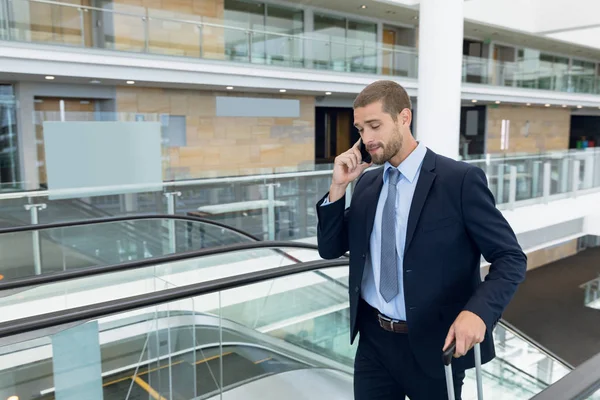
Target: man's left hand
{"x":468,"y":329}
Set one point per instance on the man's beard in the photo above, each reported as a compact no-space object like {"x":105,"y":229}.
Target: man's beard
{"x":389,"y":150}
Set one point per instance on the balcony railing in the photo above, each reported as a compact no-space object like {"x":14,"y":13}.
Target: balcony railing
{"x":282,"y":205}
{"x":145,"y":30}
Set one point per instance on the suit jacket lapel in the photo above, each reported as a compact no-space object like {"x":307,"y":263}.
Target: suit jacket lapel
{"x":426,"y":178}
{"x":370,"y":203}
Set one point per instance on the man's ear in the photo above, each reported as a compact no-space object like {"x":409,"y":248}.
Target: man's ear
{"x":405,"y":116}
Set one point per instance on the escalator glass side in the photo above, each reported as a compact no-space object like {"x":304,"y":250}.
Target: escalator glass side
{"x":78,"y":292}
{"x":296,"y":324}
{"x":49,"y":250}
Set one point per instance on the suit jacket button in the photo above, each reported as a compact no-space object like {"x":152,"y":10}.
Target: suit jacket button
{"x":364,"y":255}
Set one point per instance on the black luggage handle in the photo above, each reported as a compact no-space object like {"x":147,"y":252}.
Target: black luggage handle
{"x":449,"y":353}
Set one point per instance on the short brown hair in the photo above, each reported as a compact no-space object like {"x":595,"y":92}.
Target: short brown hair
{"x":392,"y":95}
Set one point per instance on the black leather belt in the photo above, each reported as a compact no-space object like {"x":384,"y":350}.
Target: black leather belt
{"x":387,"y":323}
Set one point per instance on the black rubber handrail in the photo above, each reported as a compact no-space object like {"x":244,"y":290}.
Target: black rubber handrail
{"x":147,"y":262}
{"x":94,"y":221}
{"x":578,"y":384}
{"x":84,"y":313}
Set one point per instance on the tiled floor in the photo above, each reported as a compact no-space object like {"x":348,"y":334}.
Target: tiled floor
{"x":549,"y":307}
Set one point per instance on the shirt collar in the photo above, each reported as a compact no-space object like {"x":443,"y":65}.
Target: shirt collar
{"x":410,"y":166}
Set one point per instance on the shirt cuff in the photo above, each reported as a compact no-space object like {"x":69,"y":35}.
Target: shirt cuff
{"x":325,"y":202}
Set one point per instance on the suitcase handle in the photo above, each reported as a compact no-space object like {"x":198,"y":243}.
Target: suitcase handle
{"x":449,"y":353}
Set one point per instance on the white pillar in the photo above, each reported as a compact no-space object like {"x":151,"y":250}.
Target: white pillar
{"x":440,"y":65}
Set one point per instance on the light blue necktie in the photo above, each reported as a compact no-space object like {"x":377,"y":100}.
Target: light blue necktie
{"x":388,"y":279}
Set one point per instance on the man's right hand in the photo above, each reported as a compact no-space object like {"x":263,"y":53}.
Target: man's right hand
{"x":346,"y":168}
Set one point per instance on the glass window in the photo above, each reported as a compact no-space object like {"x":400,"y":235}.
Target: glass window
{"x":9,"y":161}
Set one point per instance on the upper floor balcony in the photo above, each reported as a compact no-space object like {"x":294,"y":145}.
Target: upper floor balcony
{"x":282,"y":37}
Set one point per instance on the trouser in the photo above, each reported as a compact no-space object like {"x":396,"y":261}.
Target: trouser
{"x":385,"y":368}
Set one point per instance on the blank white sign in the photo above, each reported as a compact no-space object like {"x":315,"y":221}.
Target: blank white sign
{"x":101,"y":158}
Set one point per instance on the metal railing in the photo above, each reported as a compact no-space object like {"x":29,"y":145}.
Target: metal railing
{"x":281,"y":205}
{"x":203,"y":37}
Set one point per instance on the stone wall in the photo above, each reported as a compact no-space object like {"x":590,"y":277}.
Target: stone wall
{"x":225,"y":146}
{"x":531,"y":129}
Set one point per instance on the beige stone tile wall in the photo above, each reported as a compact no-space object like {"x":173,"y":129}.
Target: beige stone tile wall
{"x":548,"y":128}
{"x":58,"y":24}
{"x":546,"y":256}
{"x":225,"y":146}
{"x":165,"y":34}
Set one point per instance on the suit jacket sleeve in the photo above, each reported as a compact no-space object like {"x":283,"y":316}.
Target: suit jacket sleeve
{"x":497,"y":242}
{"x":332,"y":228}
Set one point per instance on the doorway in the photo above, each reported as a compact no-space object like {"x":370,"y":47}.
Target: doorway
{"x":334,"y":133}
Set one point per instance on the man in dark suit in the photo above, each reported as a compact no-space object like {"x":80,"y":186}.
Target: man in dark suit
{"x":416,"y":229}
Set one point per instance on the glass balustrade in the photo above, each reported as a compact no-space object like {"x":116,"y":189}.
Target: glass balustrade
{"x":280,"y":205}
{"x":224,"y":341}
{"x":145,"y":30}
{"x":50,"y":250}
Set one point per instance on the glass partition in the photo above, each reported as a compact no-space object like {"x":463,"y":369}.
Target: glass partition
{"x":45,"y":251}
{"x":227,"y":339}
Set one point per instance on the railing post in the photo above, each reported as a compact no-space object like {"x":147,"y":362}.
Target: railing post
{"x":512,"y":188}
{"x":564,"y":179}
{"x":500,"y":199}
{"x":547,"y":170}
{"x":201,"y":38}
{"x":81,"y":26}
{"x":535,"y":178}
{"x":348,"y":194}
{"x":249,"y":46}
{"x":146,"y":20}
{"x":576,"y":174}
{"x":271,"y":209}
{"x":171,"y":223}
{"x":37,"y":255}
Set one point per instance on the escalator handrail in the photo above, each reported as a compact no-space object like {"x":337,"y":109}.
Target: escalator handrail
{"x":61,"y":276}
{"x":94,"y":221}
{"x":578,"y":384}
{"x":99,"y":310}
{"x":517,"y":332}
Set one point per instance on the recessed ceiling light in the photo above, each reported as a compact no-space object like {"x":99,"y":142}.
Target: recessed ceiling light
{"x":564,"y":106}
{"x":13,"y":398}
{"x":328,"y":93}
{"x":474,"y":101}
{"x":363,"y":6}
{"x":50,"y":77}
{"x":95,"y":81}
{"x":547,"y":105}
{"x":282,"y":90}
{"x":579,"y":106}
{"x":229,"y":87}
{"x":497,"y":101}
{"x":130,"y":82}
{"x":528,"y":104}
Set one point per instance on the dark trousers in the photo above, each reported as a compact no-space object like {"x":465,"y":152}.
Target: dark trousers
{"x":385,"y":368}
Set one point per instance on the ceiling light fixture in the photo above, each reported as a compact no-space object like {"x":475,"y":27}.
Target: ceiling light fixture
{"x":497,"y":101}
{"x":229,"y":88}
{"x":363,"y":6}
{"x":13,"y":398}
{"x":579,"y":106}
{"x":547,"y":105}
{"x":328,"y":93}
{"x":528,"y":104}
{"x":94,"y":81}
{"x":282,"y":90}
{"x":50,"y":77}
{"x":564,"y":106}
{"x":473,"y":101}
{"x":130,"y":82}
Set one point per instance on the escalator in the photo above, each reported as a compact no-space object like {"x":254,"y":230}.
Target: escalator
{"x":245,"y":320}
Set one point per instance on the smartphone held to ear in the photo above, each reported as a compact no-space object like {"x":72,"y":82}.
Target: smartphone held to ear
{"x":366,"y":157}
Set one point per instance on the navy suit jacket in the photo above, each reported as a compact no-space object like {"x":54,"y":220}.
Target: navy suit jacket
{"x":453,"y":220}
